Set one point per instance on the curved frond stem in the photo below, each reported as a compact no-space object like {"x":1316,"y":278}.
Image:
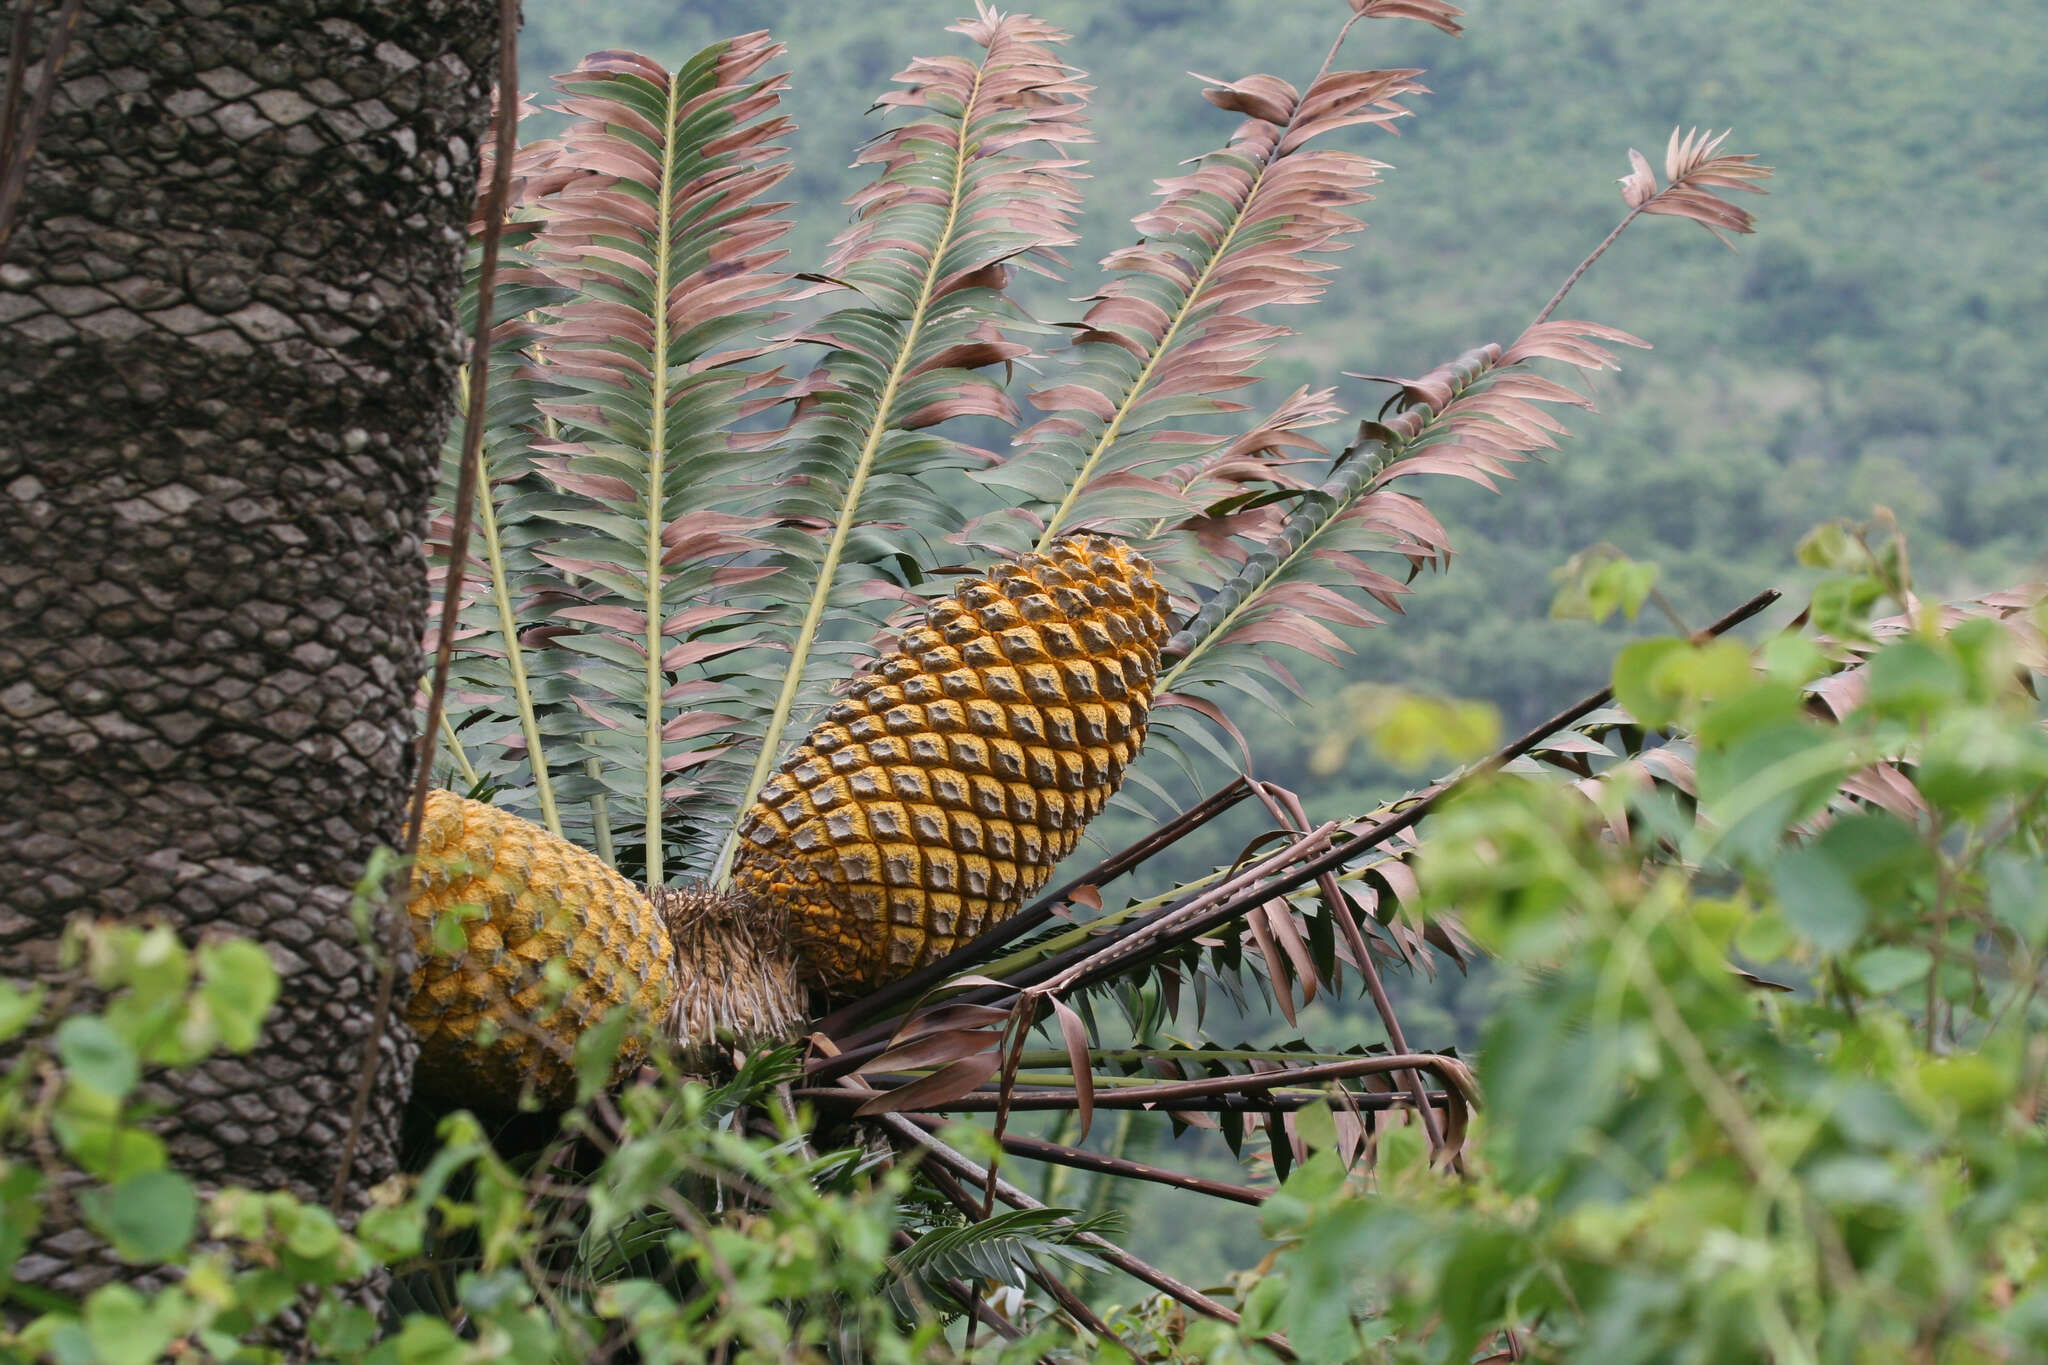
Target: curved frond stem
{"x":1587,"y":264}
{"x":1336,"y":46}
{"x":878,"y":428}
{"x":515,"y":657}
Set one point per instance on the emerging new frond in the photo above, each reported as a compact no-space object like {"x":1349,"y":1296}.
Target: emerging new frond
{"x":1696,"y":168}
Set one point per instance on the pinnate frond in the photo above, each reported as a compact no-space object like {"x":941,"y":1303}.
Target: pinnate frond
{"x":1180,"y":324}
{"x":670,"y":248}
{"x":973,"y":183}
{"x":1316,"y":576}
{"x":1696,"y":168}
{"x":1000,"y":1249}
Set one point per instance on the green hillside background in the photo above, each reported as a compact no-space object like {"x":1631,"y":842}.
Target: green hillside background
{"x":1881,"y":339}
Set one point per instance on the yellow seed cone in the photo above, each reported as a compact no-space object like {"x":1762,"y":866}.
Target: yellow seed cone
{"x":945,"y":787}
{"x":542,"y":900}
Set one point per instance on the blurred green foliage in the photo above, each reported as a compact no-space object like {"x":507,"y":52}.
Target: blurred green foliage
{"x":1768,"y":1077}
{"x":667,"y":1228}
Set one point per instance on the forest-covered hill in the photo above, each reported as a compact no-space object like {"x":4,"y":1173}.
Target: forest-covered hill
{"x":1878,"y":341}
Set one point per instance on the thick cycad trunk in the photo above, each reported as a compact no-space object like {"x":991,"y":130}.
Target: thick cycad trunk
{"x":228,"y":360}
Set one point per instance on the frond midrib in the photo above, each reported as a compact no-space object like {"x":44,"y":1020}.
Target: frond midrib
{"x":878,"y":428}
{"x":657,"y":508}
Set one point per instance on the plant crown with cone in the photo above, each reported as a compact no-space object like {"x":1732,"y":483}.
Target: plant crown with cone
{"x":669,"y":670}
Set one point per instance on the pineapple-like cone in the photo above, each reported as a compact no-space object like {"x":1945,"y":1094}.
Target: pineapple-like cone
{"x":553,"y":940}
{"x":951,"y":779}
{"x":931,"y":800}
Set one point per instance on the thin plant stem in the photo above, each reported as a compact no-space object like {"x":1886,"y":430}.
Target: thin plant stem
{"x":451,"y":602}
{"x":21,"y":133}
{"x":1587,"y":264}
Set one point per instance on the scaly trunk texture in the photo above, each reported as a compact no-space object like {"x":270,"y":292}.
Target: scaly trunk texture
{"x":228,"y":357}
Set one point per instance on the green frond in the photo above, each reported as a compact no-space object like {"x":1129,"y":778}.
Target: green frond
{"x":970,"y":186}
{"x":670,"y":249}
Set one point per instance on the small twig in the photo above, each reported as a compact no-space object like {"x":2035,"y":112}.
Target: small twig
{"x":21,"y":134}
{"x":1663,"y":604}
{"x":451,"y":602}
{"x":17,"y":70}
{"x":1056,"y":1153}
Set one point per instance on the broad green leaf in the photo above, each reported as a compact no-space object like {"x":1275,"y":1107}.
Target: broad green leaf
{"x":2016,"y":891}
{"x":97,"y":1057}
{"x":392,"y":1234}
{"x":104,"y":1146}
{"x":1884,"y":970}
{"x":127,"y":1329}
{"x":428,"y":1341}
{"x":21,"y":1211}
{"x":312,"y":1233}
{"x":149,"y":1216}
{"x":1638,"y":672}
{"x":239,"y":985}
{"x":18,"y":1007}
{"x":450,"y":934}
{"x":1912,"y":679}
{"x":597,"y":1050}
{"x":1819,"y":899}
{"x":1970,"y":1084}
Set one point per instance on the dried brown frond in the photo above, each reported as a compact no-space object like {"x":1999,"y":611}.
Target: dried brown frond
{"x":1695,"y":167}
{"x":1435,"y":13}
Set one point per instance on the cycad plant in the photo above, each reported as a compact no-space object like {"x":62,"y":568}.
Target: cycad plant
{"x":723,"y":509}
